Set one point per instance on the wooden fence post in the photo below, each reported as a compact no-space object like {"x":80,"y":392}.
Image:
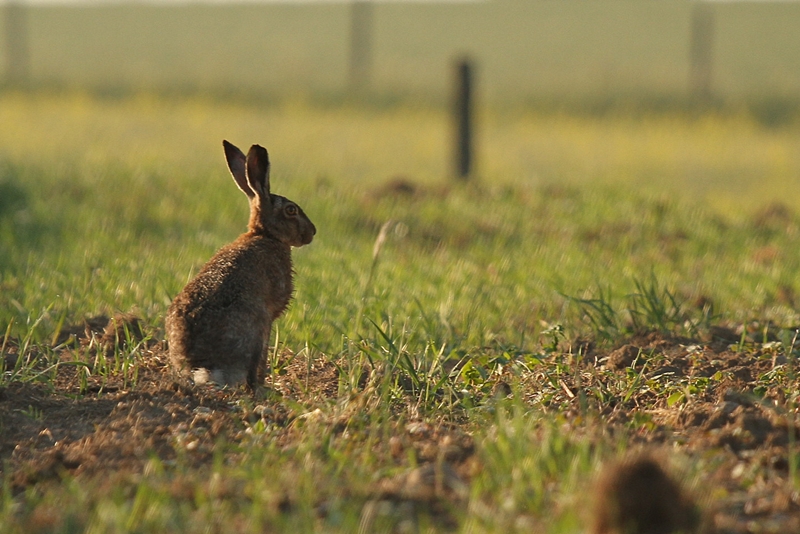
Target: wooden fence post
{"x":17,"y":52}
{"x":462,"y":115}
{"x":360,"y":44}
{"x":701,"y":50}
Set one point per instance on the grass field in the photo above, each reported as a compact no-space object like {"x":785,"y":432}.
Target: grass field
{"x":523,"y":49}
{"x":489,"y":318}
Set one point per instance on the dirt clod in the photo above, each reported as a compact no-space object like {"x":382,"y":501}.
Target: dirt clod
{"x":623,"y":357}
{"x":122,"y":330}
{"x":637,"y":496}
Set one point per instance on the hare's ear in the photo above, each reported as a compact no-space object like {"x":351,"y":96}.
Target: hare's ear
{"x":237,"y":166}
{"x":258,"y":171}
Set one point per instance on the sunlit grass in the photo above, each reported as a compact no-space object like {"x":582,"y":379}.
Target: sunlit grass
{"x":116,"y":202}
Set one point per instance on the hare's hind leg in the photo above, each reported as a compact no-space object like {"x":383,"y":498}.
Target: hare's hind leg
{"x":256,"y":370}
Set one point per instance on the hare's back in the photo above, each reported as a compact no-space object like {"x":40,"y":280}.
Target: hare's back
{"x":246,"y":275}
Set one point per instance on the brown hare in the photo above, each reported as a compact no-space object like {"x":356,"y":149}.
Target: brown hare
{"x":219,"y":326}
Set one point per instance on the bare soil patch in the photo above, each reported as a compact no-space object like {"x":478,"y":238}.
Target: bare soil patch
{"x":722,"y":404}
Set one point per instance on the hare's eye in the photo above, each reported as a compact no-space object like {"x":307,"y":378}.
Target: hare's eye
{"x":290,"y":210}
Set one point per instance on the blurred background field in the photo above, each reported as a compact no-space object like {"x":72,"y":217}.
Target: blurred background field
{"x":525,"y":50}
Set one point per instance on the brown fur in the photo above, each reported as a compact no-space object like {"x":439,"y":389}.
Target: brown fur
{"x":222,"y":319}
